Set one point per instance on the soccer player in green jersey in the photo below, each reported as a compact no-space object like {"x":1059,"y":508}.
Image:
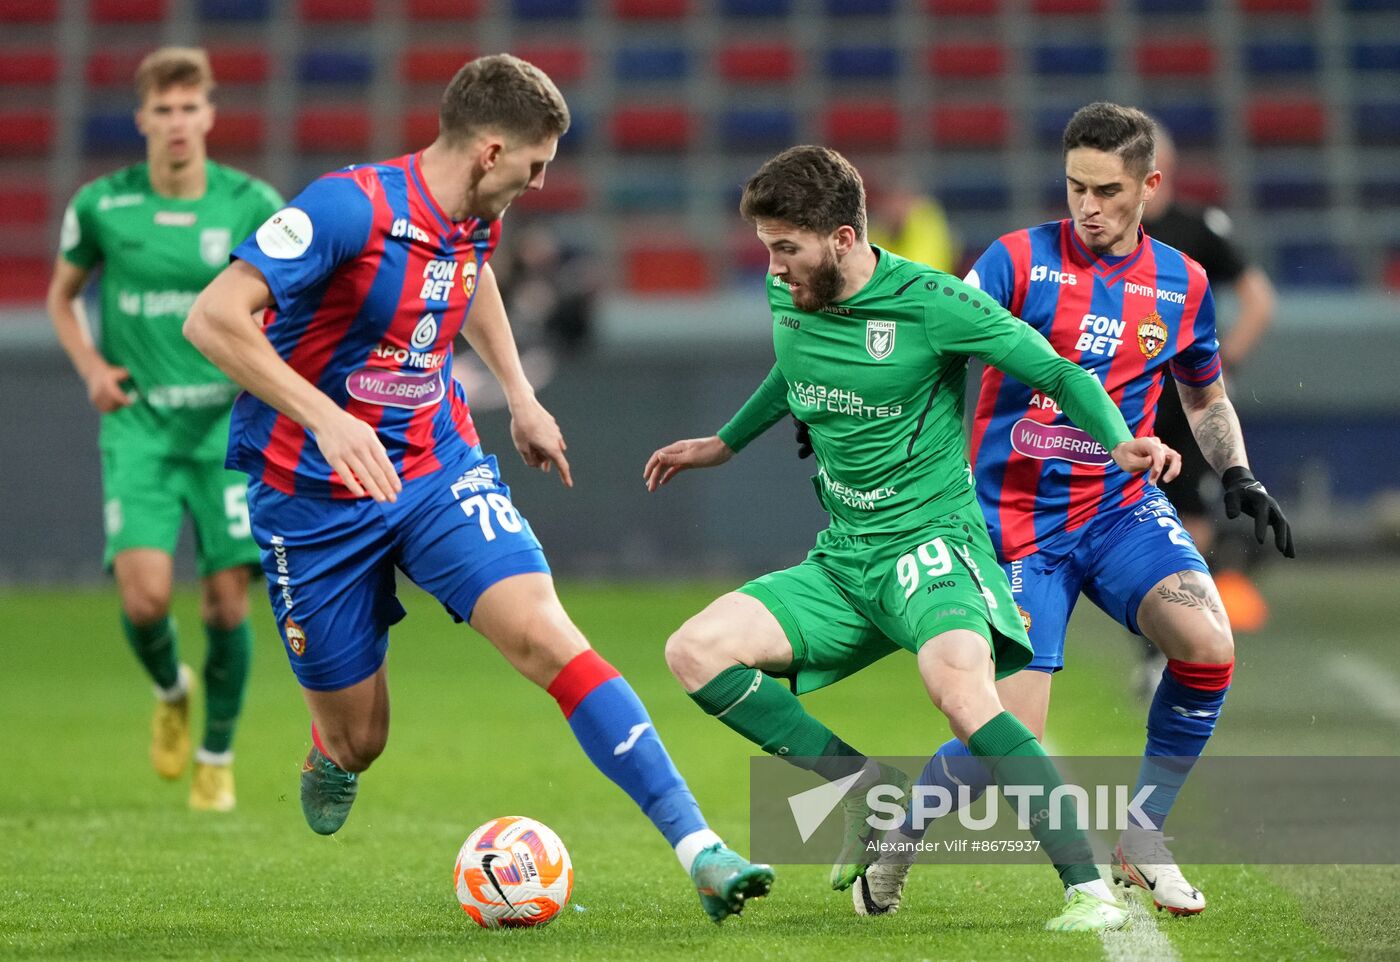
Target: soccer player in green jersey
{"x":160,"y":231}
{"x":871,"y":353}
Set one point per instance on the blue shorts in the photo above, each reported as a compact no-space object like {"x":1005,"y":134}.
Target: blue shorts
{"x":330,"y":563}
{"x":1114,"y":560}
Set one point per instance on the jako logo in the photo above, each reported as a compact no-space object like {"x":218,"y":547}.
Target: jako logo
{"x":1042,"y":273}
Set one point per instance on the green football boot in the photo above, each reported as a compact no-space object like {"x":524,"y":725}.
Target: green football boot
{"x":1087,"y":913}
{"x":725,"y":880}
{"x":855,"y":856}
{"x":327,"y":792}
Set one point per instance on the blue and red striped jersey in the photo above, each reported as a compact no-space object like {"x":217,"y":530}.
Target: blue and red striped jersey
{"x":371,"y":282}
{"x":1128,"y":320}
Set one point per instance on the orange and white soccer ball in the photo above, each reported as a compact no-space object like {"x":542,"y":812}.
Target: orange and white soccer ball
{"x":513,"y":872}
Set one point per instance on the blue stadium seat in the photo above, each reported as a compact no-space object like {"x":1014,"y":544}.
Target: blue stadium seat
{"x":243,"y":11}
{"x":1291,"y":192}
{"x":755,"y":8}
{"x":859,"y":8}
{"x":1314,"y":265}
{"x":1281,"y":56}
{"x":547,"y":9}
{"x":1378,"y":123}
{"x":1192,"y":123}
{"x":1049,"y":122}
{"x":112,"y":132}
{"x":335,"y":67}
{"x":862,"y":63}
{"x":1376,"y":56}
{"x":1373,"y":6}
{"x":1382,"y":191}
{"x":652,"y":63}
{"x":750,"y":127}
{"x":1172,"y":6}
{"x":1070,"y":59}
{"x":975,"y":195}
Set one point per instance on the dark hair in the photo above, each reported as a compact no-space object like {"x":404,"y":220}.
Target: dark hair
{"x":813,"y":188}
{"x":1125,"y":131}
{"x":173,"y":67}
{"x":506,"y":94}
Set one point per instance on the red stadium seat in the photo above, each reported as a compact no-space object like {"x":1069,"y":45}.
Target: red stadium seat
{"x":964,"y":8}
{"x":1176,"y":58}
{"x":333,"y":129}
{"x":757,"y":61}
{"x":652,"y":128}
{"x":1390,"y":275}
{"x":966,"y":59}
{"x":1200,"y":185}
{"x":650,"y":9}
{"x":1279,"y":121}
{"x":238,"y":131}
{"x":239,"y":65}
{"x":564,"y":191}
{"x":434,"y":65}
{"x":970,"y":125}
{"x":29,"y":11}
{"x":113,"y":68}
{"x":862,"y":125}
{"x":337,"y":11}
{"x":24,"y":204}
{"x":128,"y":11}
{"x":420,"y":128}
{"x":21,"y":68}
{"x":669,"y":269}
{"x":564,"y":62}
{"x":1052,"y":7}
{"x":1276,"y":6}
{"x":24,"y":278}
{"x":443,"y":9}
{"x":25,"y":133}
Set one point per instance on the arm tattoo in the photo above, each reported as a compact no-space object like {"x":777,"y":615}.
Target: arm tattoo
{"x":1191,"y":591}
{"x":1218,"y":434}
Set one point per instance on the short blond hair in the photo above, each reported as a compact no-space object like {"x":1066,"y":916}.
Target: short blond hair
{"x":174,"y":67}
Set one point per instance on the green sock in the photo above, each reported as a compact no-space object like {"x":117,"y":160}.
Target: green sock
{"x":155,"y":645}
{"x":1018,"y":759}
{"x":763,"y":710}
{"x":225,"y":678}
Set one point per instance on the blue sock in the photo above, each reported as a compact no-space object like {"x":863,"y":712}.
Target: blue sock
{"x":610,"y":723}
{"x":951,"y":767}
{"x":1179,"y":723}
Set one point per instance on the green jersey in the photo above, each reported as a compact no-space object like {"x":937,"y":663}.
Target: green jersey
{"x":880,"y":377}
{"x":157,"y":253}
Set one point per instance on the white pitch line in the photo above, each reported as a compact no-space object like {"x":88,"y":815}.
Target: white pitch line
{"x":1376,"y":684}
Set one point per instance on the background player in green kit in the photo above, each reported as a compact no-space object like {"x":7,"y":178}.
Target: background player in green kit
{"x":871,"y":353}
{"x":161,"y":230}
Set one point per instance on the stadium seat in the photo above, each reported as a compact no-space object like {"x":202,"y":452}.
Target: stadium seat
{"x":113,"y":68}
{"x":1192,"y":123}
{"x":744,"y":128}
{"x":547,"y":9}
{"x":433,"y":65}
{"x":242,"y":11}
{"x":865,"y":125}
{"x":24,"y":204}
{"x":29,"y":11}
{"x":1172,"y":6}
{"x":652,"y":128}
{"x":651,"y":62}
{"x":667,"y":269}
{"x":127,"y":11}
{"x":1277,"y":6}
{"x":650,"y":9}
{"x":640,"y":192}
{"x":1070,"y":59}
{"x":420,"y":128}
{"x":963,"y":8}
{"x":755,"y":8}
{"x":238,"y":131}
{"x":1378,"y":124}
{"x":1049,"y":121}
{"x":1373,"y":6}
{"x":564,"y":62}
{"x":336,"y":11}
{"x":966,"y":59}
{"x":862,"y":63}
{"x":1200,"y":185}
{"x":1314,"y":265}
{"x":24,"y":278}
{"x":564,"y":192}
{"x":757,"y":62}
{"x":443,"y":9}
{"x":26,"y":68}
{"x":1298,"y":120}
{"x":334,"y":129}
{"x":1381,"y":191}
{"x":1291,"y":192}
{"x":1060,"y":7}
{"x":859,"y":8}
{"x":1376,"y":56}
{"x":112,"y":132}
{"x":1176,"y":58}
{"x":988,"y":194}
{"x":351,"y":67}
{"x":1286,"y":56}
{"x":1390,"y":271}
{"x":970,"y":125}
{"x":239,"y":65}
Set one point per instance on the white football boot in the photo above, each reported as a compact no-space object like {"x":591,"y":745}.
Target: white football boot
{"x":1143,"y":859}
{"x":878,"y":891}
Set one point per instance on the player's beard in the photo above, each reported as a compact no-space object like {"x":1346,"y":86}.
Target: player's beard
{"x":822,"y":287}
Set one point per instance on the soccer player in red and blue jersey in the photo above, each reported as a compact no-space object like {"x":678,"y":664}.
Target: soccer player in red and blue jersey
{"x":1064,"y":518}
{"x":362,"y":456}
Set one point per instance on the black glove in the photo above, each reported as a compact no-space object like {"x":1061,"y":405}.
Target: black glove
{"x":804,"y":438}
{"x":1243,"y":493}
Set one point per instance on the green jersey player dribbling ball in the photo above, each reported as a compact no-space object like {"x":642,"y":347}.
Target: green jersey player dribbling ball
{"x":158,"y":232}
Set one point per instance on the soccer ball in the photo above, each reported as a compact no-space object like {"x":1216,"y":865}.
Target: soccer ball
{"x":513,"y":872}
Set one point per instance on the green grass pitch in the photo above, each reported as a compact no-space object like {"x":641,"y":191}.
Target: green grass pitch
{"x":101,"y":860}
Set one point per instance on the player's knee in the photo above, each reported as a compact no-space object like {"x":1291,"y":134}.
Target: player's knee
{"x":224,"y":612}
{"x":356,"y":749}
{"x":145,"y":604}
{"x":695,"y":653}
{"x":1211,"y":647}
{"x":546,"y":641}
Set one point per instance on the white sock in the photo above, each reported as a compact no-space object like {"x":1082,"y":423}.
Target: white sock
{"x":692,"y":845}
{"x":205,"y":757}
{"x":177,"y":691}
{"x":1096,"y":887}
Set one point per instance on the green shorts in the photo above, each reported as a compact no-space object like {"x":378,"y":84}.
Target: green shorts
{"x":856,"y":598}
{"x":145,"y":498}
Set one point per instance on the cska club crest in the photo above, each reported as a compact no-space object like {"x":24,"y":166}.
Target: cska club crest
{"x":1025,"y":617}
{"x":879,"y":339}
{"x":296,"y":638}
{"x":1152,"y":335}
{"x":469,"y":278}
